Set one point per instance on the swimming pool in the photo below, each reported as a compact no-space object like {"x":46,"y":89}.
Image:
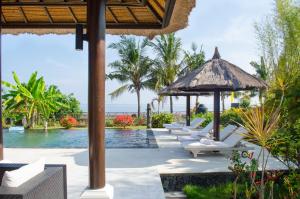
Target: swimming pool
{"x":77,"y":138}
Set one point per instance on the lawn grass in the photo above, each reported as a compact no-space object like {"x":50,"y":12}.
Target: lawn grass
{"x":223,"y":191}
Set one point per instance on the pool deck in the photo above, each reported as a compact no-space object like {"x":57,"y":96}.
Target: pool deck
{"x":134,"y":173}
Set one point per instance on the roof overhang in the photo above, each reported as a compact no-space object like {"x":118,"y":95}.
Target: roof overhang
{"x":138,"y":17}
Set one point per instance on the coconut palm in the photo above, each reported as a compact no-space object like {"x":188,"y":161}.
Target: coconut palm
{"x":160,"y":101}
{"x":193,"y":60}
{"x":262,"y":72}
{"x":31,"y":99}
{"x":133,"y":69}
{"x":166,"y":66}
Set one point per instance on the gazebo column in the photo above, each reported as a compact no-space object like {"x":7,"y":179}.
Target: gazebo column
{"x":96,"y":101}
{"x":1,"y":130}
{"x":217,"y":115}
{"x":188,"y":110}
{"x":96,"y":92}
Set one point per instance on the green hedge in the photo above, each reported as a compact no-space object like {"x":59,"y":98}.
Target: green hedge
{"x":208,"y":116}
{"x":159,"y":119}
{"x":231,"y":116}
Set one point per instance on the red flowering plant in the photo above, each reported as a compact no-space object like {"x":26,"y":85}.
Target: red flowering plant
{"x":123,"y":120}
{"x":68,"y":122}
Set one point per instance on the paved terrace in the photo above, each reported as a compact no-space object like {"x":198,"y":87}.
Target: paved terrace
{"x":134,"y":173}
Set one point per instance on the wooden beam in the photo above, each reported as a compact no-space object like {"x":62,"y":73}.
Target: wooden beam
{"x":3,"y":17}
{"x":73,"y":25}
{"x":154,"y":13}
{"x":170,"y":4}
{"x":64,"y":3}
{"x":96,"y":92}
{"x":112,"y":14}
{"x":217,"y":115}
{"x":23,"y":14}
{"x":158,"y":4}
{"x":1,"y":128}
{"x":72,"y":14}
{"x":48,"y":14}
{"x":132,"y":15}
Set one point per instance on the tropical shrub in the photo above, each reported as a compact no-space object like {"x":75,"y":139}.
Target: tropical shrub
{"x":231,"y":116}
{"x":161,"y":118}
{"x":139,"y":121}
{"x":208,"y":116}
{"x":109,"y":123}
{"x":123,"y":120}
{"x":32,"y":99}
{"x":68,"y":122}
{"x":245,"y":103}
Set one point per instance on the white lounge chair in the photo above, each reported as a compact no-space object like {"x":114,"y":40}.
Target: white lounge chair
{"x":196,"y":134}
{"x":176,"y":126}
{"x":207,"y":145}
{"x":224,"y":133}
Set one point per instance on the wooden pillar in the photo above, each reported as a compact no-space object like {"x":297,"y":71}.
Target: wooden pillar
{"x":96,"y":92}
{"x":1,"y":130}
{"x":148,"y":116}
{"x":188,"y":110}
{"x":217,"y":115}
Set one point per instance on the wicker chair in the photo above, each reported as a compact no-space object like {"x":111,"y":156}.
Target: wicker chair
{"x":50,"y":184}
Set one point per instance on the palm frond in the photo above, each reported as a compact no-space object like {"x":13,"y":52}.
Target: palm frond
{"x":119,"y":91}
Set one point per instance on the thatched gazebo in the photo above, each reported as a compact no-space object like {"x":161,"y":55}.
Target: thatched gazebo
{"x":91,"y":20}
{"x":174,"y":92}
{"x":217,"y":75}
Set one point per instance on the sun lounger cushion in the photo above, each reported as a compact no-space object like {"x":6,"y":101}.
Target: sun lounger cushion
{"x":176,"y":126}
{"x":19,"y":176}
{"x":227,"y":131}
{"x":230,"y":141}
{"x":204,"y":146}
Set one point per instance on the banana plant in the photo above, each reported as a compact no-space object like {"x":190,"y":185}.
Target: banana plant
{"x":32,"y":99}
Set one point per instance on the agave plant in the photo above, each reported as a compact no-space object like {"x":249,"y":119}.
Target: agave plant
{"x":261,"y":126}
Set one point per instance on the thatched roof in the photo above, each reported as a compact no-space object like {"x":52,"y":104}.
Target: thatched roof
{"x":138,"y":17}
{"x":217,"y":74}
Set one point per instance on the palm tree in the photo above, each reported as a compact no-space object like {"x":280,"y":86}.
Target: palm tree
{"x":261,"y":69}
{"x":166,"y":66}
{"x":193,"y":60}
{"x":262,"y":72}
{"x":160,"y":100}
{"x":133,"y":69}
{"x":31,"y":98}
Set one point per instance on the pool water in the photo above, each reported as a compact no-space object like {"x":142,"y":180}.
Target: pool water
{"x":77,"y":138}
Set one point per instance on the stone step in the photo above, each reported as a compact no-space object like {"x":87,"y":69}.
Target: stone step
{"x":175,"y":195}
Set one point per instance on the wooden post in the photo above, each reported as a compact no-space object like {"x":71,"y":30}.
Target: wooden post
{"x":148,"y":116}
{"x":217,"y":115}
{"x":96,"y":95}
{"x":1,"y":130}
{"x":188,"y":110}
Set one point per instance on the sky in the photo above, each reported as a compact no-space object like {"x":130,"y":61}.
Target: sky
{"x":227,"y":24}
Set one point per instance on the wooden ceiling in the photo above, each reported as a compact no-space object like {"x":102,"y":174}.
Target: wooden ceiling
{"x":120,"y":14}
